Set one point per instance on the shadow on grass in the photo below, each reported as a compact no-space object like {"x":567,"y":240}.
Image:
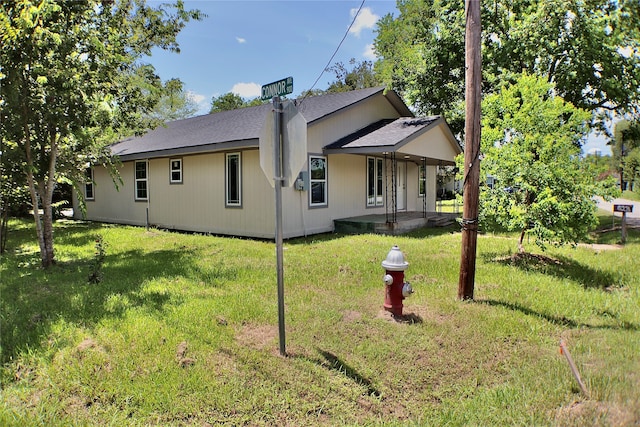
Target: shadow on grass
{"x":556,"y":320}
{"x":34,"y":299}
{"x":421,"y":233}
{"x":336,"y":364}
{"x":559,"y":266}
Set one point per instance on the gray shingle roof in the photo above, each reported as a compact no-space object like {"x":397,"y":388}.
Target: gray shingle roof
{"x":236,"y":128}
{"x":384,"y":134}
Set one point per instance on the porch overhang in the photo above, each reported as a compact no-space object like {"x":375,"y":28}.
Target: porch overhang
{"x":416,"y":139}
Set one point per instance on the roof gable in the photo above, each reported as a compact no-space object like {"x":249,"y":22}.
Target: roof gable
{"x":401,"y":135}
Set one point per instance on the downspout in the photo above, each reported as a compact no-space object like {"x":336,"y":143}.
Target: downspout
{"x":148,"y":192}
{"x":304,"y":226}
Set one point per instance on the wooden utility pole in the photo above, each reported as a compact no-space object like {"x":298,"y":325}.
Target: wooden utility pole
{"x":473,"y":95}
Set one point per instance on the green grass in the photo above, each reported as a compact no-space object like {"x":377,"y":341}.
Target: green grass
{"x":449,"y":206}
{"x":75,"y":353}
{"x":631,"y":195}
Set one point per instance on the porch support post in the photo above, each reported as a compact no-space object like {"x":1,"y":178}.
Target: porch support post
{"x":424,"y":197}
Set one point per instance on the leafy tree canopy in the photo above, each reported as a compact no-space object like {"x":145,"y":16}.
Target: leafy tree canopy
{"x":231,"y":101}
{"x":72,"y":81}
{"x":174,"y":103}
{"x":590,"y":50}
{"x":626,"y":151}
{"x":530,"y":146}
{"x":360,"y":76}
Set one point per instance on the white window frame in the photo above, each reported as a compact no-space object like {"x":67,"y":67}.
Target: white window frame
{"x":172,"y":171}
{"x":422,"y":180}
{"x":375,"y":198}
{"x":88,"y":184}
{"x":140,"y":180}
{"x":229,"y":178}
{"x":319,"y":181}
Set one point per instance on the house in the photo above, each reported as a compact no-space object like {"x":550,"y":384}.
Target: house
{"x":366,"y":154}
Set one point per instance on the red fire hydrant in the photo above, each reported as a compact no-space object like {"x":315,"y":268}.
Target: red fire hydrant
{"x":396,"y":289}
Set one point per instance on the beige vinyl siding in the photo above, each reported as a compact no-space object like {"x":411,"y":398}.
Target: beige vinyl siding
{"x":111,"y":205}
{"x":198,"y":204}
{"x":433,"y":144}
{"x":414,"y":201}
{"x":328,"y":130}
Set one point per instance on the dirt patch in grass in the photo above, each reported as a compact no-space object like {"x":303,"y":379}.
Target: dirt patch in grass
{"x":86,"y":344}
{"x":351,"y":316}
{"x":527,"y":258}
{"x":257,"y":336}
{"x":594,"y":413}
{"x":414,"y":314}
{"x":598,"y":247}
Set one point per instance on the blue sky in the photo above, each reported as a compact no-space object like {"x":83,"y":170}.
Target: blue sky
{"x":244,"y":44}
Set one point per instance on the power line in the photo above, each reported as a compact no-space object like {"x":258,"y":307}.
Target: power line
{"x":335,"y":51}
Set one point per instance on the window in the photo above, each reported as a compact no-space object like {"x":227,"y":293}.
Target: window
{"x":175,"y":170}
{"x":88,"y":184}
{"x":233,"y":180}
{"x":318,"y":181}
{"x":375,"y":187}
{"x":422,"y":180}
{"x":141,"y":181}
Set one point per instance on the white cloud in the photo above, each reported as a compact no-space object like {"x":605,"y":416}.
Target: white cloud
{"x":369,"y":53}
{"x":196,"y":97}
{"x":241,"y":40}
{"x":366,"y":19}
{"x":201,"y":101}
{"x":247,"y":90}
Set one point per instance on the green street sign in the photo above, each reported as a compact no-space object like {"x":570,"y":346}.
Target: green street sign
{"x":279,"y":88}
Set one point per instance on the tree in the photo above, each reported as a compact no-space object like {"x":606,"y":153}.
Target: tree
{"x":72,"y":81}
{"x":625,"y":145}
{"x":174,"y":103}
{"x":14,"y":193}
{"x":530,"y":143}
{"x":227,"y":102}
{"x":588,"y":49}
{"x":231,"y":101}
{"x":361,"y":76}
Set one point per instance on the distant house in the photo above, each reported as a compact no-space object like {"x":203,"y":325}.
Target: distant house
{"x":367,"y":154}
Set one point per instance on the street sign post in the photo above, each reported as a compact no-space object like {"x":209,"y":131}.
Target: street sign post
{"x":283,"y":150}
{"x":623,"y":227}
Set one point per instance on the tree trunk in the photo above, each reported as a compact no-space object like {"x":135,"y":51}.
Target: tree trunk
{"x":42,"y":194}
{"x":4,"y":227}
{"x":521,"y":241}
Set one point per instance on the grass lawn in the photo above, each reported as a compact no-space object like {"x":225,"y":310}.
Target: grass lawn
{"x":631,"y":195}
{"x":183,"y":330}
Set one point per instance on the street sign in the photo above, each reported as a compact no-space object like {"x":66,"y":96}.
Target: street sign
{"x":279,"y":88}
{"x":623,"y":208}
{"x":294,"y":144}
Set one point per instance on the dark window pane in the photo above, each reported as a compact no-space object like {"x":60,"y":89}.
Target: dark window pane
{"x":317,"y":193}
{"x":233,"y":179}
{"x":318,"y":168}
{"x":141,"y":189}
